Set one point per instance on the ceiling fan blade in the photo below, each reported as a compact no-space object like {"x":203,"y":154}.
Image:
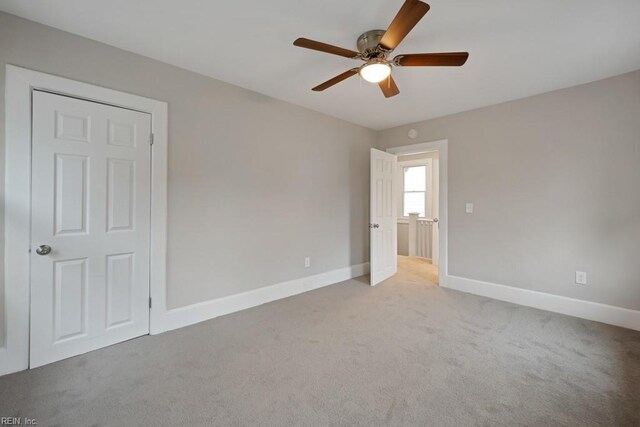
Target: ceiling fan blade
{"x":389,"y":87}
{"x":327,"y":48}
{"x":337,"y":79}
{"x":408,"y":16}
{"x":447,"y":59}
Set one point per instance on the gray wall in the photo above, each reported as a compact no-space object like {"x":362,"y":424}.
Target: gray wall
{"x":555,"y":180}
{"x":255,"y":184}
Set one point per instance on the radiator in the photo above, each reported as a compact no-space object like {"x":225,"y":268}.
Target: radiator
{"x":423,"y":236}
{"x":420,"y":237}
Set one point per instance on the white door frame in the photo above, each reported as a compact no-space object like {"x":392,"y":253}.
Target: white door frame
{"x":441,"y":146}
{"x":19,"y":84}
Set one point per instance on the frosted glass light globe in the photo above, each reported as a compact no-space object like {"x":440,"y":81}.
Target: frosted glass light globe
{"x":376,"y":72}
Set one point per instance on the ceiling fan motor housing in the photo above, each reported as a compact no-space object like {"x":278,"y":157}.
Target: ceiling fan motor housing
{"x":368,"y":44}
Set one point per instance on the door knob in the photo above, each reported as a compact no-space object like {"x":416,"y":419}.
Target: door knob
{"x":43,"y":250}
{"x":435,"y":220}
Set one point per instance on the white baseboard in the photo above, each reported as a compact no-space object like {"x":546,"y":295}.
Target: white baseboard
{"x":195,"y":313}
{"x":609,"y":314}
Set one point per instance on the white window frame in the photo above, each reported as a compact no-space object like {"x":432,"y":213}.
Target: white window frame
{"x":19,"y":85}
{"x":429,"y":187}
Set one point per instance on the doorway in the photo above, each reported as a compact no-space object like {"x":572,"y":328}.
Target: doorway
{"x":387,"y":206}
{"x":439,"y":228}
{"x":95,"y":148}
{"x":417,"y":204}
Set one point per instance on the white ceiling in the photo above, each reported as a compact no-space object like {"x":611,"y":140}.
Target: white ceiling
{"x":518,"y":47}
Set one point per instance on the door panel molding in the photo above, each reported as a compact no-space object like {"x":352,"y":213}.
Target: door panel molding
{"x":19,"y":85}
{"x":383,"y":217}
{"x":97,"y":207}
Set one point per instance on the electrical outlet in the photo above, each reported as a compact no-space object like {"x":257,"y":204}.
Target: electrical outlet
{"x":581,"y":278}
{"x":469,"y":208}
{"x":307,"y":262}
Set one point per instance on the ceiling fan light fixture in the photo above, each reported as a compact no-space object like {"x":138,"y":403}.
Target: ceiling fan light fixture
{"x":375,"y":72}
{"x":375,"y":46}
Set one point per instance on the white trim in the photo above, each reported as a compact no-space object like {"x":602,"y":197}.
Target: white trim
{"x":19,"y":84}
{"x":609,"y":314}
{"x":195,"y":313}
{"x":442,"y":147}
{"x":406,"y":220}
{"x":419,"y":148}
{"x":410,"y":163}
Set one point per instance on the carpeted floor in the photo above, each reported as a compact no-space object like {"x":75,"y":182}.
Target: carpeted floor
{"x":402,"y":353}
{"x":412,"y":269}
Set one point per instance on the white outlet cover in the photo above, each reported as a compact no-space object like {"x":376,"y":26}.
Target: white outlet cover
{"x":469,"y":208}
{"x":581,"y":278}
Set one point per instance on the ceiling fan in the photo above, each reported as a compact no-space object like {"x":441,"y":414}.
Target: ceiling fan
{"x":375,"y":46}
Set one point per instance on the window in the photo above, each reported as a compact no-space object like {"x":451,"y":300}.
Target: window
{"x":414,"y":196}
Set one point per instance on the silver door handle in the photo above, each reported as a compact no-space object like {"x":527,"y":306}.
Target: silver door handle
{"x":43,"y":250}
{"x":435,"y":220}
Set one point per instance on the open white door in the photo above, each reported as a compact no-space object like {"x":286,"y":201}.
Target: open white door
{"x":384,"y":217}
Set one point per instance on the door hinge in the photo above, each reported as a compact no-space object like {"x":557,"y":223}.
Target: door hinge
{"x":151,"y":139}
{"x":150,"y":304}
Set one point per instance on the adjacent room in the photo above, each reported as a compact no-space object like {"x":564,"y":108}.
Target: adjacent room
{"x":361,"y":213}
{"x":418,"y":230}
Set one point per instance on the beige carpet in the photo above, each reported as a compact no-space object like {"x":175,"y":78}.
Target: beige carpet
{"x":416,"y":270}
{"x":401,"y":353}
